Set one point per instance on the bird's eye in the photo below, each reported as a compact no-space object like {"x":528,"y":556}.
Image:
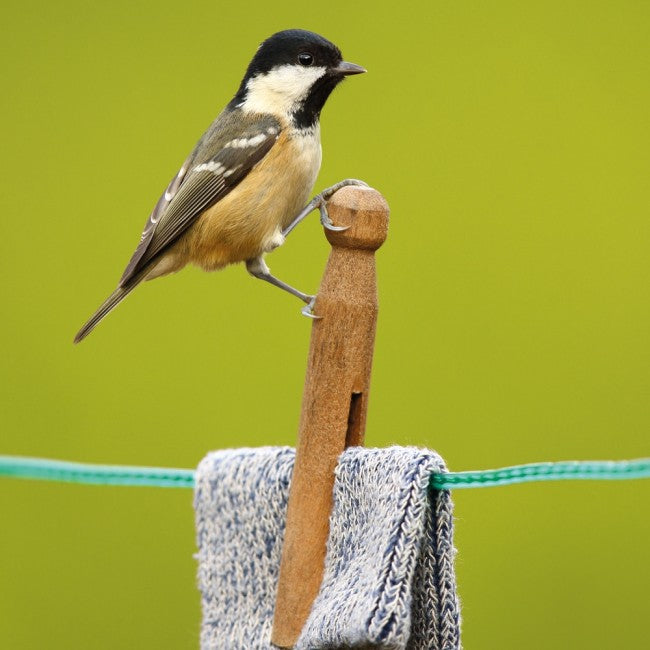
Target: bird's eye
{"x":306,"y":59}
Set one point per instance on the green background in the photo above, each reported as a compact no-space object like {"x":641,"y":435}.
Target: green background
{"x":512,"y":141}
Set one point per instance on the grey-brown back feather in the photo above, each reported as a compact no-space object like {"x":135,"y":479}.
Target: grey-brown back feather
{"x":191,"y":192}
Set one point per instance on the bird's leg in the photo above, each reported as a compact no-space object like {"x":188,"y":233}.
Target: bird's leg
{"x":320,"y":202}
{"x":257,"y":268}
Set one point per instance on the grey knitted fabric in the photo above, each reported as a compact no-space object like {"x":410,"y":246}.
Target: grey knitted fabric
{"x":389,"y":577}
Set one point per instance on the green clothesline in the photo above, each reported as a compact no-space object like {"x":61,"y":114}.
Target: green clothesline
{"x":44,"y":469}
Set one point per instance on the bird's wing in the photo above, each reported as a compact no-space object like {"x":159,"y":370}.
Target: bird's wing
{"x":149,"y":227}
{"x":205,"y":178}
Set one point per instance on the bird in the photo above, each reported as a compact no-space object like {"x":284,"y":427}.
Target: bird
{"x":240,"y":191}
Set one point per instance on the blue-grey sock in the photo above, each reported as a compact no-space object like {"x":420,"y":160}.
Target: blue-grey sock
{"x":389,"y":578}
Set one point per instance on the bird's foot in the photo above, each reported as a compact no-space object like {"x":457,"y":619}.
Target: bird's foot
{"x":308,"y":309}
{"x":322,"y":199}
{"x":320,"y":202}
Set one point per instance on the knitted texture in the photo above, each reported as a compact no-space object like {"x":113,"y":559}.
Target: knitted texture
{"x":389,"y":577}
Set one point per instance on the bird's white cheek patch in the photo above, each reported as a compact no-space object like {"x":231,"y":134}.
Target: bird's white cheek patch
{"x":279,"y":91}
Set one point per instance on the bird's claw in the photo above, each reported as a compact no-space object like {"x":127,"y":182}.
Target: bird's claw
{"x":320,"y":202}
{"x":327,"y":194}
{"x":326,"y":221}
{"x":308,"y":310}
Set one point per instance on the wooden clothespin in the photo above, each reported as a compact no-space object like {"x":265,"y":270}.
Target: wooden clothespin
{"x":335,"y":398}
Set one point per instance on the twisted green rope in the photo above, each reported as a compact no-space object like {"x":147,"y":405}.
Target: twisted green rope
{"x":44,"y":469}
{"x":570,"y":470}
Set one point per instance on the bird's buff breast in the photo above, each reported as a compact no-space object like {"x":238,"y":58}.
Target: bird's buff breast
{"x":248,"y":221}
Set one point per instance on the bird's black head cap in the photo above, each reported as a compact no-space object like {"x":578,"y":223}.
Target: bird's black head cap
{"x":285,"y":47}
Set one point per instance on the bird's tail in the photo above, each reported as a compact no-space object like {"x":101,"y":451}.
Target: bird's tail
{"x":108,"y":305}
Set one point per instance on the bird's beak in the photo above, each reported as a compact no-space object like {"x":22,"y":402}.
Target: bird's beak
{"x":344,"y":68}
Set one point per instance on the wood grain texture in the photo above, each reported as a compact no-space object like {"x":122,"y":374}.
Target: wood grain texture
{"x":335,"y":399}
